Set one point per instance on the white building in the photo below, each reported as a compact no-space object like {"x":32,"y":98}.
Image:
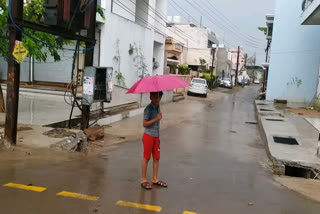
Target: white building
{"x":196,"y":40}
{"x":133,"y":38}
{"x":294,"y":63}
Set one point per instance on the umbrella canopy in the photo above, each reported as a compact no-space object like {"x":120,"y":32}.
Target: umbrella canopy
{"x":158,"y":83}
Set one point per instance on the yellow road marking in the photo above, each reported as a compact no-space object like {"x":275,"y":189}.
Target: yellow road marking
{"x":77,"y":195}
{"x":188,"y":212}
{"x":25,"y":187}
{"x":139,"y":206}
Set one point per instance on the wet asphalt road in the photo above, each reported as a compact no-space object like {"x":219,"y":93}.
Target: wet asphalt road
{"x":214,"y":163}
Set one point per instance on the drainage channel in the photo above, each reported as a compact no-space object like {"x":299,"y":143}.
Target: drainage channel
{"x":300,"y":172}
{"x":95,"y":115}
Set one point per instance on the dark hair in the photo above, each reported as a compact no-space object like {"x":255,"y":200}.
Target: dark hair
{"x":160,"y":93}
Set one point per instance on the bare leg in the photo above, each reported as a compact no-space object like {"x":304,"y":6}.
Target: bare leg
{"x":144,"y":170}
{"x":155,"y":170}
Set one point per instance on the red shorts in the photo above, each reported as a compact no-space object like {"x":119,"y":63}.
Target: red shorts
{"x":151,"y":145}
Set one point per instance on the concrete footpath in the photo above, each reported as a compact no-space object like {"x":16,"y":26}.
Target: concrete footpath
{"x":119,"y":127}
{"x":291,"y":141}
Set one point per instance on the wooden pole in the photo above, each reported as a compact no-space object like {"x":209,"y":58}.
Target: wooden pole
{"x":2,"y":106}
{"x":13,"y":77}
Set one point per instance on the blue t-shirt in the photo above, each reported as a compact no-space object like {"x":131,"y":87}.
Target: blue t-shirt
{"x":151,"y":112}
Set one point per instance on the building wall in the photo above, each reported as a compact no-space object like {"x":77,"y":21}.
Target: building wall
{"x":293,"y":71}
{"x":234,"y":58}
{"x":196,"y":44}
{"x":118,"y":34}
{"x":194,"y":55}
{"x":223,"y":62}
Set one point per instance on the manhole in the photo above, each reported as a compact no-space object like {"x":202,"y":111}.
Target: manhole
{"x":286,"y":140}
{"x":263,"y":109}
{"x":276,"y":120}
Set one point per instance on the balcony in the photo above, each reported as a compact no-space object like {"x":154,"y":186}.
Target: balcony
{"x":172,"y":47}
{"x":311,"y":12}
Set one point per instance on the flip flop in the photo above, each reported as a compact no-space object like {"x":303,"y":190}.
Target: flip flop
{"x":146,"y":185}
{"x":161,"y":184}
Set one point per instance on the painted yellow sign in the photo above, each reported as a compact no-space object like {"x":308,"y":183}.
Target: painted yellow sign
{"x":19,"y":52}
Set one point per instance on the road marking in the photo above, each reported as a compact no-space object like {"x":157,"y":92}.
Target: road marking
{"x":25,"y":187}
{"x":188,"y":212}
{"x":139,"y":206}
{"x":77,"y":195}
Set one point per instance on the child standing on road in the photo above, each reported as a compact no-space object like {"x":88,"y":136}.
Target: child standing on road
{"x":151,"y":140}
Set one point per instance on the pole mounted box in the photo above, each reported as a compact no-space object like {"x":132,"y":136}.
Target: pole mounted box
{"x":71,"y":14}
{"x":97,"y":85}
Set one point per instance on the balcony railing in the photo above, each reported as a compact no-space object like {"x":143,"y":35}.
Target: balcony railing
{"x":306,"y":4}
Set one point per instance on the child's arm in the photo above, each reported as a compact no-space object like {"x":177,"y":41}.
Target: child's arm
{"x":147,"y":123}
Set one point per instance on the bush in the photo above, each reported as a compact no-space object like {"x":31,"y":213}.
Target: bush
{"x":207,"y":76}
{"x":184,"y":69}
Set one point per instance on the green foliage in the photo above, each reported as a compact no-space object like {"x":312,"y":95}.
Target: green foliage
{"x":139,"y":60}
{"x":203,"y":67}
{"x":202,"y":61}
{"x":117,"y":61}
{"x":184,"y":69}
{"x":100,"y":12}
{"x":131,"y":49}
{"x":121,"y":80}
{"x":295,"y":81}
{"x":263,"y":29}
{"x":3,"y":29}
{"x":173,"y":69}
{"x":207,"y":76}
{"x":33,"y":11}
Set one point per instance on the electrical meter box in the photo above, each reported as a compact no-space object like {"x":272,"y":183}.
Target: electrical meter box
{"x":97,"y":85}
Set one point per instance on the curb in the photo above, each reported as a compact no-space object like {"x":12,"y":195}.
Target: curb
{"x":278,"y":166}
{"x":120,"y":117}
{"x":30,"y":91}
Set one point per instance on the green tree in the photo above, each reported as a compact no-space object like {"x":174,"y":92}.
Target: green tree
{"x":203,"y":65}
{"x":263,"y":29}
{"x":33,"y":11}
{"x":183,"y":69}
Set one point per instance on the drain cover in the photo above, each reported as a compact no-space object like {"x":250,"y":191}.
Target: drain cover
{"x":263,"y":109}
{"x":277,"y":120}
{"x":286,"y":140}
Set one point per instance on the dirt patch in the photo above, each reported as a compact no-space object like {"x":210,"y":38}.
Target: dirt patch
{"x":304,"y":111}
{"x":24,"y":128}
{"x":307,"y":187}
{"x":59,"y":133}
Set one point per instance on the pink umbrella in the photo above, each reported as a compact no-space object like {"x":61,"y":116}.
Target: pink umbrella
{"x":158,"y":83}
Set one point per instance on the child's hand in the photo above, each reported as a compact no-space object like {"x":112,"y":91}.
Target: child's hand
{"x":159,"y":116}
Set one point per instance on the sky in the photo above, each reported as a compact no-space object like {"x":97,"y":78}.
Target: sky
{"x":235,"y":22}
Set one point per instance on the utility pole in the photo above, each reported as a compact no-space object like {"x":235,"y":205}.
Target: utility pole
{"x":13,"y":76}
{"x":213,"y":56}
{"x":267,"y":51}
{"x":85,"y":116}
{"x":237,"y":69}
{"x":200,"y":21}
